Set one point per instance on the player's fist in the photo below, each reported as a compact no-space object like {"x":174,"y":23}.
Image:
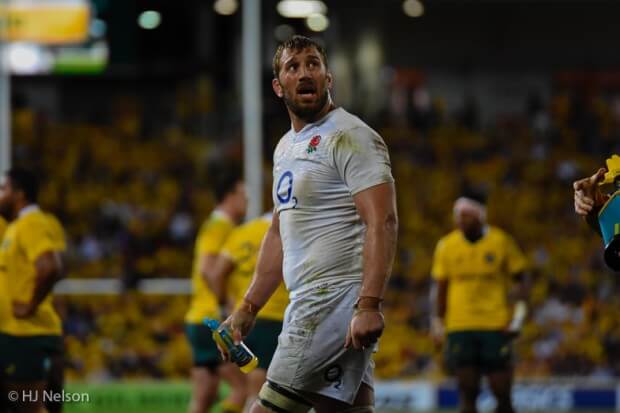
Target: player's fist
{"x":239,"y":323}
{"x":588,"y":196}
{"x":365,"y":329}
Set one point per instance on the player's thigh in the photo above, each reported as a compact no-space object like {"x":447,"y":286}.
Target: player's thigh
{"x":274,"y":397}
{"x":496,"y":352}
{"x":205,"y":383}
{"x":322,"y":404}
{"x":256,"y":379}
{"x":263,"y":340}
{"x":461,"y":350}
{"x":231,"y":373}
{"x":204,"y":350}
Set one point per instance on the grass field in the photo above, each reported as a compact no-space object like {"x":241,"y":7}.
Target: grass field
{"x":163,"y":397}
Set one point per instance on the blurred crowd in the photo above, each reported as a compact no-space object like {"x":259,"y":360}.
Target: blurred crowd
{"x":131,"y":199}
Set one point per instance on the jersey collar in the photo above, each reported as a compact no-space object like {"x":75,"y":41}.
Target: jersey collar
{"x":27,"y":210}
{"x":319,"y":122}
{"x":221,"y":214}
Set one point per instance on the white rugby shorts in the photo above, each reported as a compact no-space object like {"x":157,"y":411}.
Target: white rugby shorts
{"x":310,"y":355}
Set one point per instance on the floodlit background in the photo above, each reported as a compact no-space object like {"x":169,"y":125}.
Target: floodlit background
{"x":121,"y":111}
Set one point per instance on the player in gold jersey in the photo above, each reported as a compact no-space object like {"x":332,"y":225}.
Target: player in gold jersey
{"x":232,"y":277}
{"x":474,"y":268}
{"x":30,"y":265}
{"x":229,"y":192}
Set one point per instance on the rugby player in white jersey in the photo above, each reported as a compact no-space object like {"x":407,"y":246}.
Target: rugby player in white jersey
{"x":332,"y":239}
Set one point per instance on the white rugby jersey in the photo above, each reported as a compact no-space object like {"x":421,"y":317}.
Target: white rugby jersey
{"x":316,"y":173}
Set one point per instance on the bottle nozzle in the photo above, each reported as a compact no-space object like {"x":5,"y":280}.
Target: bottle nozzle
{"x":212,"y":324}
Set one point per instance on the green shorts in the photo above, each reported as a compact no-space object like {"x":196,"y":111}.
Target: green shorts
{"x":263,"y":340}
{"x":204,"y":350}
{"x":487,"y":350}
{"x":27,"y":358}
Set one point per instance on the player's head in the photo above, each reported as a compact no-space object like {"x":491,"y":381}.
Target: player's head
{"x":18,"y":188}
{"x":470,"y":212}
{"x":301,"y":76}
{"x":229,"y":189}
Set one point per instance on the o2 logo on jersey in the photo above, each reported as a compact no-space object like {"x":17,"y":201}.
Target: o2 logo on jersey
{"x":284,"y":190}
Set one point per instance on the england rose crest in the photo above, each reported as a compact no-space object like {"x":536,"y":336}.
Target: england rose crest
{"x":314,"y":142}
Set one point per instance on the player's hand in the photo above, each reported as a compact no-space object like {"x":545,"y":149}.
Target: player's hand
{"x":588,"y":196}
{"x":240,"y":323}
{"x":365,"y":329}
{"x":22,"y":309}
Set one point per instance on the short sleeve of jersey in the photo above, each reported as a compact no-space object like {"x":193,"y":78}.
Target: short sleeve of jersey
{"x":515,"y":260}
{"x":38,"y":237}
{"x":212,"y":237}
{"x":361,"y":159}
{"x":439,"y":270}
{"x":231,"y":247}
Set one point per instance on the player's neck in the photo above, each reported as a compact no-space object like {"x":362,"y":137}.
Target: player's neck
{"x":475,"y":235}
{"x":299,"y":123}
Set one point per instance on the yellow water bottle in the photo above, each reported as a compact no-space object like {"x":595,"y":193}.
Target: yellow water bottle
{"x":239,"y":354}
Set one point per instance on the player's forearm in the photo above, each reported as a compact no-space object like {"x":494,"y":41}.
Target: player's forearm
{"x":439,"y":295}
{"x":379,"y":251}
{"x":521,"y":287}
{"x":268,"y":274}
{"x":218,"y":278}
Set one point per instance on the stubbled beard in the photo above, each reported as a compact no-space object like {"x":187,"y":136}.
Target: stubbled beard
{"x":306,"y":113}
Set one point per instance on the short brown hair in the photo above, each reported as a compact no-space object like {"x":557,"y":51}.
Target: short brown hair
{"x":296,"y":43}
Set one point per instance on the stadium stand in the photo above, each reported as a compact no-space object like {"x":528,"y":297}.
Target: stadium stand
{"x":131,"y":203}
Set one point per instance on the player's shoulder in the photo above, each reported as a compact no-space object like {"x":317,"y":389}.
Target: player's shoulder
{"x":342,"y":122}
{"x":53,"y":220}
{"x":217,"y":221}
{"x":33,"y":218}
{"x":497,"y":233}
{"x":451,"y":238}
{"x":254,"y":226}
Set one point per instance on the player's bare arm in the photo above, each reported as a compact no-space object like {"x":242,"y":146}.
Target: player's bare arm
{"x":377,"y":209}
{"x":49,"y":271}
{"x":519,"y":297}
{"x":439,"y":299}
{"x":207,"y":262}
{"x":218,"y":279}
{"x":266,"y":279}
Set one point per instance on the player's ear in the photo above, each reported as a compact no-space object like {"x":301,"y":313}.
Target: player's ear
{"x":330,"y":80}
{"x":277,"y":87}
